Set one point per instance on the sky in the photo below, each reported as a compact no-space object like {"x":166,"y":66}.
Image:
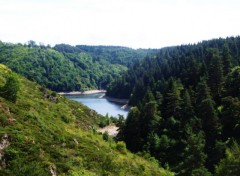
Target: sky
{"x":131,"y":23}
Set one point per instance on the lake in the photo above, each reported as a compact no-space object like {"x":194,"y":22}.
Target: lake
{"x":100,"y":105}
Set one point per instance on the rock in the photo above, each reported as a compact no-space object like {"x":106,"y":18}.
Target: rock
{"x":75,"y":140}
{"x":53,"y":170}
{"x":3,"y":145}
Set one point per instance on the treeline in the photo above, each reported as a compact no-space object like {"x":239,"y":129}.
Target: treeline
{"x":68,"y":68}
{"x":186,"y":107}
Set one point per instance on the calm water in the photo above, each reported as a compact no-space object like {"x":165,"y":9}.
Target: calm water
{"x":100,"y":105}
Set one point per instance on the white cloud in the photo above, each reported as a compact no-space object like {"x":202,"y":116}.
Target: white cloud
{"x":134,"y":23}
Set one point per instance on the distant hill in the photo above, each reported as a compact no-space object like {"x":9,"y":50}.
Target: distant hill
{"x":68,"y":68}
{"x":42,"y":133}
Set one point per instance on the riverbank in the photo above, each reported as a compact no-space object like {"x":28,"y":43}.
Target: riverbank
{"x":117,"y":100}
{"x":87,"y":92}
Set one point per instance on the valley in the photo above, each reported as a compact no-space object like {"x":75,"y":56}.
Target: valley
{"x":181,"y":117}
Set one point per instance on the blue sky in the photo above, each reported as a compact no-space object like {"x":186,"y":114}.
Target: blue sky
{"x":132,"y":23}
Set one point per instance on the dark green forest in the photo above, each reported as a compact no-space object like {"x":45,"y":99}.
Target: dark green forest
{"x":185,"y":107}
{"x":68,"y":68}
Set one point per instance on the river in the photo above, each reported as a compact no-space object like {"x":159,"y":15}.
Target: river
{"x":99,"y":104}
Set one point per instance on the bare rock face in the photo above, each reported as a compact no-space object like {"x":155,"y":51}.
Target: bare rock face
{"x":3,"y":145}
{"x":53,"y":170}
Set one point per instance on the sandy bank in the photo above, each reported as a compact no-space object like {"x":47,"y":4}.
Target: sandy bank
{"x":87,"y":92}
{"x":112,"y":130}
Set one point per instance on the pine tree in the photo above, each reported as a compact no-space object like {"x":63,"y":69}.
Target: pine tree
{"x":230,"y":117}
{"x":187,"y":110}
{"x":232,"y":83}
{"x":132,"y":129}
{"x":203,"y":91}
{"x":210,"y":122}
{"x":227,"y":59}
{"x":173,"y":99}
{"x":230,"y":165}
{"x":193,"y":155}
{"x":215,"y":73}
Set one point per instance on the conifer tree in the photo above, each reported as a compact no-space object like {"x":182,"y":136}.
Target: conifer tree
{"x":215,"y":73}
{"x":194,"y":158}
{"x":173,"y":99}
{"x":227,"y":59}
{"x":131,"y":130}
{"x":232,"y":84}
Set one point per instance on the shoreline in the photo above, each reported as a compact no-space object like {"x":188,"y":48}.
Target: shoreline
{"x":117,"y":100}
{"x":87,"y":92}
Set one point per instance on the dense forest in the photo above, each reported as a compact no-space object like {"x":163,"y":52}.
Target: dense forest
{"x":185,"y":107}
{"x":68,"y":68}
{"x":45,"y":134}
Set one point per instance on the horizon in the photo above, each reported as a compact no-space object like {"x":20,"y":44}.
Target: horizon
{"x":40,"y":43}
{"x":130,"y":23}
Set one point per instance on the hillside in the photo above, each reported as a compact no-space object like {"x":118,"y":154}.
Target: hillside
{"x":69,"y":68}
{"x":186,"y":103}
{"x":42,"y":133}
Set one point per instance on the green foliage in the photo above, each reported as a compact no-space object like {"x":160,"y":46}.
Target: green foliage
{"x":68,"y":68}
{"x":230,"y":165}
{"x":45,"y":135}
{"x":121,"y":147}
{"x":11,"y":88}
{"x":186,"y":104}
{"x":230,"y":117}
{"x":105,"y":136}
{"x":132,"y":129}
{"x":232,"y":84}
{"x":215,"y":74}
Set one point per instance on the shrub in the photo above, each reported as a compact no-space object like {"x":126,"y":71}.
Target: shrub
{"x":11,"y":88}
{"x":121,"y":147}
{"x":105,"y":136}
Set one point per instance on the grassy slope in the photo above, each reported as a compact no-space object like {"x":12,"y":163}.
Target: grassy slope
{"x":56,"y":135}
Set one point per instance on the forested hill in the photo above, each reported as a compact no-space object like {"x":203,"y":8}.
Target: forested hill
{"x":68,"y":68}
{"x":186,"y":62}
{"x":45,"y":134}
{"x":186,"y":107}
{"x":116,"y":54}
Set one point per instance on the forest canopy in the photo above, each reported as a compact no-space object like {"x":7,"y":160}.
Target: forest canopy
{"x":68,"y":68}
{"x":185,"y":107}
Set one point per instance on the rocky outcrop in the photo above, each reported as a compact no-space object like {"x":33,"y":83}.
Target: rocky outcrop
{"x":53,"y":170}
{"x":3,"y":145}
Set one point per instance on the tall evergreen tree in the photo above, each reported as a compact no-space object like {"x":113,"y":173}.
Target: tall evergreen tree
{"x":232,"y":83}
{"x":230,"y":165}
{"x":132,"y":129}
{"x":215,"y":73}
{"x":150,"y":119}
{"x":210,"y":122}
{"x":187,"y":110}
{"x":194,"y":158}
{"x":227,"y":59}
{"x":230,"y":117}
{"x":173,"y":98}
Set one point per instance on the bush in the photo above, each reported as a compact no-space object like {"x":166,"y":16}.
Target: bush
{"x":11,"y":88}
{"x":121,"y":147}
{"x":105,"y":136}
